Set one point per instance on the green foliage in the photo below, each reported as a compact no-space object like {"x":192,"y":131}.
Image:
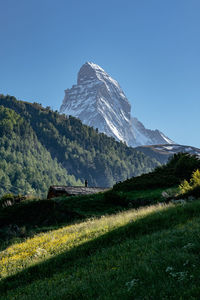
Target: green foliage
{"x":192,"y":187}
{"x":80,"y":149}
{"x":185,"y":187}
{"x":195,"y":180}
{"x":179,"y":167}
{"x":26,"y":167}
{"x":183,"y":164}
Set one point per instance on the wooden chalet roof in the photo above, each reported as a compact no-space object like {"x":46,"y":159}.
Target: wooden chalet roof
{"x":55,"y":190}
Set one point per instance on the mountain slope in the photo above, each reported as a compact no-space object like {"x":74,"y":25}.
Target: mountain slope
{"x":82,"y":151}
{"x":146,"y":136}
{"x":98,"y":101}
{"x":25,"y":165}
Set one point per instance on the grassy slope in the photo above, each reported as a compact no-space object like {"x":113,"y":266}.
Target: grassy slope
{"x":152,"y":253}
{"x":32,"y":217}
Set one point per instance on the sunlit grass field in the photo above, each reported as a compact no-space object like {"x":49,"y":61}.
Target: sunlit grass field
{"x":46,"y":245}
{"x":149,"y":253}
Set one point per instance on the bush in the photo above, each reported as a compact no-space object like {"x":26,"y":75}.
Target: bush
{"x":191,"y":187}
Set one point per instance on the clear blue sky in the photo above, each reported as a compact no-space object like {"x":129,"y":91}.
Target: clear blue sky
{"x":151,"y":47}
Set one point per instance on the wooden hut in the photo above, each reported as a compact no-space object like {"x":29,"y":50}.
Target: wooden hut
{"x":57,"y":191}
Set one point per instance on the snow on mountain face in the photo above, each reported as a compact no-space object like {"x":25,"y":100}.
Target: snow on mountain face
{"x":98,"y":101}
{"x":148,"y":137}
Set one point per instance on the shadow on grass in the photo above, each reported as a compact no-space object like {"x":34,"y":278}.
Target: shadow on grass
{"x":154,"y":222}
{"x":23,"y":220}
{"x":32,"y":217}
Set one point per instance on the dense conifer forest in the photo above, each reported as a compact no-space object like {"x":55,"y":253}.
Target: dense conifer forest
{"x":40,"y":147}
{"x":26,"y":167}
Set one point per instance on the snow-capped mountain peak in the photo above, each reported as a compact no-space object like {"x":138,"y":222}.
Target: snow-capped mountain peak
{"x":98,"y":100}
{"x":90,"y":71}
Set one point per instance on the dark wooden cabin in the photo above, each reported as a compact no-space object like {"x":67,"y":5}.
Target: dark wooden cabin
{"x":57,"y":191}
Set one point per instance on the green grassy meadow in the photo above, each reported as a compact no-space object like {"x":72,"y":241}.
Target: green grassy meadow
{"x":131,"y":242}
{"x":147,"y":253}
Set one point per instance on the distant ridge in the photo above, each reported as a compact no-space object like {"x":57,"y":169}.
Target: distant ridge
{"x":163,"y":152}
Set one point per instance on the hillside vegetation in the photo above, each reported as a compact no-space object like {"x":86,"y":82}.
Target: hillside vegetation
{"x":81,"y":150}
{"x":26,"y":166}
{"x":100,"y":247}
{"x":152,"y":253}
{"x":179,"y":167}
{"x":191,"y":187}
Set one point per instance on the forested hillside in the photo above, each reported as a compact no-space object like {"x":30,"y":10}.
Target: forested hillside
{"x":40,"y":136}
{"x":25,"y":165}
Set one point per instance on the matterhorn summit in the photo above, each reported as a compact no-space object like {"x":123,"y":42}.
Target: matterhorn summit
{"x":98,"y":100}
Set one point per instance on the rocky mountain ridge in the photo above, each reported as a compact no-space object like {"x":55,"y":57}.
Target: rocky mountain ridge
{"x":98,"y":100}
{"x":162,"y":152}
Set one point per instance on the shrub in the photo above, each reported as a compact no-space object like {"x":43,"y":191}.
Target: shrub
{"x":191,"y":187}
